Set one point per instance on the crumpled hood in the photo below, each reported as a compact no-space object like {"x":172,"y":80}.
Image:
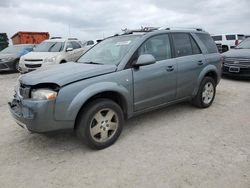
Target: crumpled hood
{"x":238,"y":53}
{"x":63,"y":74}
{"x":40,"y":55}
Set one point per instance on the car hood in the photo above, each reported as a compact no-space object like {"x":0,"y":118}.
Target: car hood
{"x":40,"y":55}
{"x":63,"y":74}
{"x":238,"y":53}
{"x":9,"y":55}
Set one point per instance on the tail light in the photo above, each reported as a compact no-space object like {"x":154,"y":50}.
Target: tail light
{"x":236,"y":42}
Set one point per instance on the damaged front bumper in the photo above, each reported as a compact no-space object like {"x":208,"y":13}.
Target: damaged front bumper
{"x":36,"y":116}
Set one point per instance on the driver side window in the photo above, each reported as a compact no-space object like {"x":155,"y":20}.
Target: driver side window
{"x":158,"y":46}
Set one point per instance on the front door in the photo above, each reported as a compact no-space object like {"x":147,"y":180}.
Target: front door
{"x":155,"y":84}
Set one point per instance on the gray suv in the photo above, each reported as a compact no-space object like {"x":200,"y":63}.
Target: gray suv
{"x":121,"y":77}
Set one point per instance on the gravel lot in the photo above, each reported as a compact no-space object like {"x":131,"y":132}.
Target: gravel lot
{"x":179,"y":146}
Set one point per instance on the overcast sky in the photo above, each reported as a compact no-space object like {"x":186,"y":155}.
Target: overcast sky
{"x":92,"y":19}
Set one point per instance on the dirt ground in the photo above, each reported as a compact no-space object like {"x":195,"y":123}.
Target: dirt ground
{"x":176,"y":147}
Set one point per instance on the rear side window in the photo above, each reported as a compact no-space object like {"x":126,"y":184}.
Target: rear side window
{"x":208,"y":42}
{"x":158,"y":46}
{"x":76,"y":45}
{"x":195,"y":48}
{"x":230,"y":37}
{"x":217,"y":38}
{"x":182,"y":43}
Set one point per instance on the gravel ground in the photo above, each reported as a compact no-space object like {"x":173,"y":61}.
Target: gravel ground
{"x":179,"y":146}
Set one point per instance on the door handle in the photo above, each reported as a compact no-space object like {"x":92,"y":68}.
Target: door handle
{"x":170,"y":68}
{"x":200,"y":62}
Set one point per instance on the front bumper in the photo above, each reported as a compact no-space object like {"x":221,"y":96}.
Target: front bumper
{"x":243,"y":71}
{"x":7,"y":65}
{"x":36,"y":116}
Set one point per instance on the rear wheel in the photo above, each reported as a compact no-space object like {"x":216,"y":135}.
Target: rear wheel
{"x":206,"y":93}
{"x":100,"y":123}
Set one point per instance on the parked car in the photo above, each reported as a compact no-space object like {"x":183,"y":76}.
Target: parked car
{"x":237,"y":61}
{"x":51,"y":52}
{"x":9,"y":57}
{"x":119,"y":78}
{"x":228,"y":41}
{"x":88,"y":43}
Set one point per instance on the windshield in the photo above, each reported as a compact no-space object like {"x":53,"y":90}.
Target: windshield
{"x":13,"y":49}
{"x":245,"y":44}
{"x":110,"y":51}
{"x":50,"y":47}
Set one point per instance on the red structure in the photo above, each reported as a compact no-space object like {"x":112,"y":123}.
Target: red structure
{"x":23,"y":37}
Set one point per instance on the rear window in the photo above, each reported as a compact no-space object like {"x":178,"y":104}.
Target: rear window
{"x":241,"y":37}
{"x":217,"y":38}
{"x":208,"y":42}
{"x":230,"y":37}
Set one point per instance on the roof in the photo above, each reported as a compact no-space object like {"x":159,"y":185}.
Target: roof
{"x":60,"y":40}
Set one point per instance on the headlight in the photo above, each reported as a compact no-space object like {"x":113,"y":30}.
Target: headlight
{"x":50,"y":60}
{"x":43,"y":94}
{"x":8,"y":59}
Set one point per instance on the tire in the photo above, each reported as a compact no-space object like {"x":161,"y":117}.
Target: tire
{"x":63,"y":61}
{"x":206,"y":93}
{"x":97,"y":130}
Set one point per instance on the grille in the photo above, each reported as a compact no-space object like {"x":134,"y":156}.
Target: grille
{"x":240,"y":62}
{"x":33,"y":60}
{"x":33,"y":65}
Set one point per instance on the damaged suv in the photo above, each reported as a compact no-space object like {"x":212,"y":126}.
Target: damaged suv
{"x":121,"y":77}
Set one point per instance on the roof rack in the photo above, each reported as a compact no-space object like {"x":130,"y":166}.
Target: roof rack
{"x":56,"y":38}
{"x":127,"y":31}
{"x":182,"y":28}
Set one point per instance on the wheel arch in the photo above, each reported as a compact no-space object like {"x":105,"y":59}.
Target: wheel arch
{"x":115,"y":96}
{"x":209,"y":71}
{"x":110,"y":90}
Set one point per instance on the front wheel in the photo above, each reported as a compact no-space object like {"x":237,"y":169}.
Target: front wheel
{"x":100,"y":123}
{"x":206,"y":93}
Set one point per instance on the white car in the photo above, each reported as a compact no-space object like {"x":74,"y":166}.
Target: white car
{"x":228,"y":41}
{"x":51,"y":52}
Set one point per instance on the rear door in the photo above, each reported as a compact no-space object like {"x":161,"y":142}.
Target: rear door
{"x":78,"y":50}
{"x":155,"y":84}
{"x":190,"y":62}
{"x":69,"y":54}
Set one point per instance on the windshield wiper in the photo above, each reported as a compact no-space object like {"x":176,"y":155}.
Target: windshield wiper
{"x":91,"y":62}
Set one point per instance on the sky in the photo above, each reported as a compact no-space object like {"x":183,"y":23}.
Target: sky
{"x":95,"y":19}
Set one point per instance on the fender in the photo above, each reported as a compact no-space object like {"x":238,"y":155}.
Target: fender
{"x":82,"y":97}
{"x":207,"y":69}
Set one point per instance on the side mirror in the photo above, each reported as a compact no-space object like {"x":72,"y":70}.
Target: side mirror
{"x":69,"y":49}
{"x":145,"y":59}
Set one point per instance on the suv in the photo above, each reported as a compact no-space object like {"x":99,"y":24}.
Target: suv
{"x":120,"y":77}
{"x":228,"y":41}
{"x":50,"y":52}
